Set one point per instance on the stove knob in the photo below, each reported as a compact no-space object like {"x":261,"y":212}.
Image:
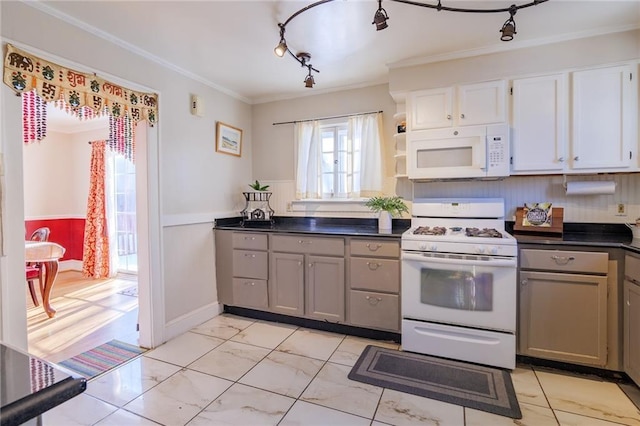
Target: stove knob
{"x":493,"y":250}
{"x":433,"y":247}
{"x":422,"y":246}
{"x":479,"y":249}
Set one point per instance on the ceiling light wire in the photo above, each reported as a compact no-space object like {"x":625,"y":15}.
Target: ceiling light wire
{"x":380,"y":18}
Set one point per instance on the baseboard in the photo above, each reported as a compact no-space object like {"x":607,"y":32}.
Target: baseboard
{"x":70,"y":265}
{"x":193,"y":319}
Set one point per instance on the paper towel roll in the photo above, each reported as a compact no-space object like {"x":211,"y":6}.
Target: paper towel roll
{"x":596,"y":187}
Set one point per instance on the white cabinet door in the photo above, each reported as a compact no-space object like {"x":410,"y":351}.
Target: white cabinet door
{"x":481,"y":103}
{"x":539,"y":124}
{"x":478,"y":103}
{"x":602,"y":118}
{"x":430,"y":109}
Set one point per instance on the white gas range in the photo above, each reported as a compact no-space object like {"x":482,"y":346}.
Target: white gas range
{"x":459,"y":271}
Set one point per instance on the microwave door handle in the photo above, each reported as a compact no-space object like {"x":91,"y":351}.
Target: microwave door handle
{"x":448,"y":261}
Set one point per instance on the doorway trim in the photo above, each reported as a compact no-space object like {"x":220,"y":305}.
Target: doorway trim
{"x":151,"y":314}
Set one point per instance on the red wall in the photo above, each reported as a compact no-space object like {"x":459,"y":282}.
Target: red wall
{"x":69,"y":233}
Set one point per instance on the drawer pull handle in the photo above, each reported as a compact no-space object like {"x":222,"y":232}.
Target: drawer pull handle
{"x":374,"y":247}
{"x":304,"y":242}
{"x":250,"y":238}
{"x":562,"y":260}
{"x":373,"y":300}
{"x":249,"y":283}
{"x":249,"y":255}
{"x":374,"y":265}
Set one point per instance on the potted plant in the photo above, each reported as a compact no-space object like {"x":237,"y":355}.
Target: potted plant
{"x":387,"y":207}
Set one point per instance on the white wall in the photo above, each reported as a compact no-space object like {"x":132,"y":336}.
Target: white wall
{"x":56,"y":175}
{"x":196,"y":184}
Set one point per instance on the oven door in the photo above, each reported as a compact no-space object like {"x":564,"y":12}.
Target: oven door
{"x":467,"y":290}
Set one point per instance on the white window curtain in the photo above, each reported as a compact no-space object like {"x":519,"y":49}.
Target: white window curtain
{"x":308,"y":169}
{"x":365,"y":134}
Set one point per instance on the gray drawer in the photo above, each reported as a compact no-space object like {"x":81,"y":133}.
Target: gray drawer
{"x":374,"y":274}
{"x":632,"y":268}
{"x":249,"y":241}
{"x":308,"y":245}
{"x":250,"y":264}
{"x":376,"y":310}
{"x":565,"y":261}
{"x":250,"y":293}
{"x":375,"y":248}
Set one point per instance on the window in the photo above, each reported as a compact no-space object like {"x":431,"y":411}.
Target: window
{"x":339,"y":160}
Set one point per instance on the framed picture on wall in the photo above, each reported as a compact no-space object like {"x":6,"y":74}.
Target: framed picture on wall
{"x":228,"y":139}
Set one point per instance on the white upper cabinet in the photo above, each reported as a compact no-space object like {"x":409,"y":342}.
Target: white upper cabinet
{"x":464,"y":105}
{"x":603,"y":119}
{"x":591,"y":130}
{"x":539,"y":132}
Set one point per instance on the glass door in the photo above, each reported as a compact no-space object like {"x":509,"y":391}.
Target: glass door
{"x":123,"y":182}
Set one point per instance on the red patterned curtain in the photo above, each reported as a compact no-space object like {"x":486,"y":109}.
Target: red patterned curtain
{"x":95,"y":256}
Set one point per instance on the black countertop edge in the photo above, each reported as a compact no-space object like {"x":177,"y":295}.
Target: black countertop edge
{"x":317,"y":225}
{"x":34,"y":405}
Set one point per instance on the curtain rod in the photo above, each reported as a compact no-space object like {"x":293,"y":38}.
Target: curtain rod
{"x":327,"y":118}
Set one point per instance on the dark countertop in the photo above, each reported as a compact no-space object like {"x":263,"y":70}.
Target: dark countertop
{"x":29,"y":386}
{"x":615,"y":235}
{"x":358,"y":227}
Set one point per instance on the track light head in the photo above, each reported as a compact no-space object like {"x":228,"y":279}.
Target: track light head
{"x":509,"y":27}
{"x":281,"y":48}
{"x":380,"y":17}
{"x":308,"y":81}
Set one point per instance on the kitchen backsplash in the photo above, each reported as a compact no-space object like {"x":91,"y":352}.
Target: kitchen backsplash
{"x":516,"y":190}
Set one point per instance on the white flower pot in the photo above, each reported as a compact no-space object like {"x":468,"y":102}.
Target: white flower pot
{"x":384,"y":221}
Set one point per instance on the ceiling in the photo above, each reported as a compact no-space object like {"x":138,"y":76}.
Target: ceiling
{"x":229,"y":44}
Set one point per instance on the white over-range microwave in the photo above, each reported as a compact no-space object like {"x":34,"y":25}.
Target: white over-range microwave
{"x":459,"y":153}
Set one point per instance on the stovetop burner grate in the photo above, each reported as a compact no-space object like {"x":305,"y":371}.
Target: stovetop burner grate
{"x":483,"y":233}
{"x":426,"y":230}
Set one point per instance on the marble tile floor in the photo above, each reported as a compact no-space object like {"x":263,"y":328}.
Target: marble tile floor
{"x":236,"y":371}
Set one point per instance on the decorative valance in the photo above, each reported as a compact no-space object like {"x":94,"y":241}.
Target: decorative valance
{"x":83,"y":95}
{"x":24,"y":72}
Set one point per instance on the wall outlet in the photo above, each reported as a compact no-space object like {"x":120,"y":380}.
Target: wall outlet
{"x":621,"y":209}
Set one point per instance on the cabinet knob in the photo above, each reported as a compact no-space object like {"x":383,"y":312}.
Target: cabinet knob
{"x":311,"y":265}
{"x":448,"y":116}
{"x":524,"y":282}
{"x":576,"y":158}
{"x":374,"y":265}
{"x":461,"y":115}
{"x":299,"y":263}
{"x":373,"y":247}
{"x":561,"y":159}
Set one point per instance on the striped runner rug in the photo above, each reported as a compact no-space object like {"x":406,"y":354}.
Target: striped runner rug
{"x":103,"y":358}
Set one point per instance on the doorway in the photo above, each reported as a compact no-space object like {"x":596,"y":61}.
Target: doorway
{"x":89,"y":311}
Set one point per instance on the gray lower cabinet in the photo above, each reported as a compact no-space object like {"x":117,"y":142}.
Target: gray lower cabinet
{"x":374,"y":283}
{"x":632,"y":318}
{"x":307,"y":276}
{"x":563,"y":306}
{"x":242,"y":268}
{"x":311,"y":276}
{"x":286,"y":283}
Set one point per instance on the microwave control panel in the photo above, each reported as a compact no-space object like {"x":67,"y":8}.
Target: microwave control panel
{"x":497,"y":155}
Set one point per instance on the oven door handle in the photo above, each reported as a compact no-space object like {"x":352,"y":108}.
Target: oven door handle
{"x":488,"y":261}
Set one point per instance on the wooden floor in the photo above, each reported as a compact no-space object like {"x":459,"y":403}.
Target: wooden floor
{"x":89,"y":313}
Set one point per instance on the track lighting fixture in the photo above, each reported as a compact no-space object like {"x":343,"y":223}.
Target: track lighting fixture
{"x":509,"y":27}
{"x":380,"y":18}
